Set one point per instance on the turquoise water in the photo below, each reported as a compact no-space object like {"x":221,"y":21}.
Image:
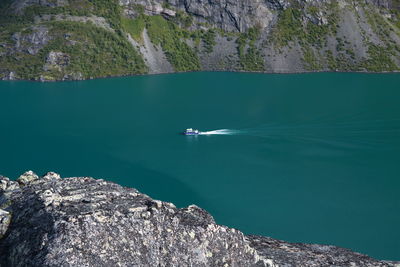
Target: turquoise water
{"x":304,"y":158}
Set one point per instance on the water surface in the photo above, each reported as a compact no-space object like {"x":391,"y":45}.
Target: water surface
{"x":304,"y":158}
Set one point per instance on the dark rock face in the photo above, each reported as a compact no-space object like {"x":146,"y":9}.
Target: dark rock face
{"x":50,"y":221}
{"x":227,"y":15}
{"x":290,"y":254}
{"x":237,"y":15}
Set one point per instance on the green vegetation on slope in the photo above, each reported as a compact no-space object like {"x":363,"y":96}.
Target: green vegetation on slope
{"x":396,"y":18}
{"x":209,"y":40}
{"x":380,"y":56}
{"x":170,"y":37}
{"x":310,"y":59}
{"x":109,"y":9}
{"x":93,"y":52}
{"x":97,"y":52}
{"x":183,"y":19}
{"x":294,"y":25}
{"x":379,"y":59}
{"x":25,"y":65}
{"x":249,"y":56}
{"x":290,"y":27}
{"x":378,"y":24}
{"x":134,"y":27}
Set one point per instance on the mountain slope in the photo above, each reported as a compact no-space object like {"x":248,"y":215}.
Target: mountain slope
{"x":82,"y":39}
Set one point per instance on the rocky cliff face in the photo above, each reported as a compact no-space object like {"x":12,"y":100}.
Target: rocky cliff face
{"x":100,"y":38}
{"x":226,"y":15}
{"x":81,"y":221}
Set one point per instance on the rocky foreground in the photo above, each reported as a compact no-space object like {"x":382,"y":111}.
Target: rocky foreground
{"x":81,"y":221}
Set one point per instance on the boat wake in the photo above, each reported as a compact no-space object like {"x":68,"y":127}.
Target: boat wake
{"x":360,"y":134}
{"x":220,"y":132}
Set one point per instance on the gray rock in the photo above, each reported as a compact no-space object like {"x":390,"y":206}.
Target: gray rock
{"x":56,"y":61}
{"x":154,"y":56}
{"x":225,"y":14}
{"x":82,"y":221}
{"x":308,"y":255}
{"x":5,"y":219}
{"x":3,"y":183}
{"x":10,"y":76}
{"x":76,"y":76}
{"x":27,"y":178}
{"x":32,"y":42}
{"x":7,"y":185}
{"x":51,"y":176}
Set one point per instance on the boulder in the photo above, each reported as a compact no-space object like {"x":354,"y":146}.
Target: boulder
{"x":27,"y":178}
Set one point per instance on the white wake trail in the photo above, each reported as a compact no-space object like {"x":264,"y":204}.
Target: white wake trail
{"x":219,"y":132}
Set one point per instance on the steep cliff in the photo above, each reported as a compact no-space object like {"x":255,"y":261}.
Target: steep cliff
{"x":81,"y":221}
{"x":82,"y":39}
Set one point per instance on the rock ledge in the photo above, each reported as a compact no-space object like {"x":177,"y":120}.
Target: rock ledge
{"x":81,"y":221}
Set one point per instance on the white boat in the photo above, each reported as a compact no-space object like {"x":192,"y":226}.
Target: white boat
{"x":191,"y":131}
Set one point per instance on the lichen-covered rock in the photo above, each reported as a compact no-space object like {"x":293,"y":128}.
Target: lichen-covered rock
{"x":7,"y":185}
{"x":51,"y":176}
{"x":27,"y":177}
{"x":5,"y":219}
{"x":88,"y":222}
{"x":82,"y":221}
{"x":3,"y":183}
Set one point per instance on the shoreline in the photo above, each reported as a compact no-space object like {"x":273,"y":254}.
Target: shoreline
{"x":205,"y":71}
